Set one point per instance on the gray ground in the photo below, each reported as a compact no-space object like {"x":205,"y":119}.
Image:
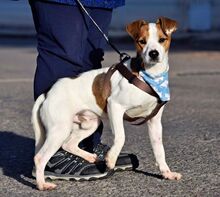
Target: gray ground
{"x":191,"y":128}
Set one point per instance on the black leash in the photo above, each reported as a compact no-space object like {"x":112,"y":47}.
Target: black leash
{"x":123,"y":56}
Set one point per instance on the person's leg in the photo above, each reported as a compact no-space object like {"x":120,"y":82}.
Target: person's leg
{"x":66,"y":48}
{"x":61,"y":37}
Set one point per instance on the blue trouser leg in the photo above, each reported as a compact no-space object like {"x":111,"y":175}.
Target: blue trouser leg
{"x":68,"y":44}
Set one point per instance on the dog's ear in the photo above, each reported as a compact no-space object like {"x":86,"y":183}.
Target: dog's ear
{"x":167,"y":25}
{"x":133,"y":28}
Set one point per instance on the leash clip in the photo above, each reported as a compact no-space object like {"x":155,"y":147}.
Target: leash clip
{"x":124,"y":57}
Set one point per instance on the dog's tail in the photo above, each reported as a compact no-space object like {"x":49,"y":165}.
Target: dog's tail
{"x":37,"y":124}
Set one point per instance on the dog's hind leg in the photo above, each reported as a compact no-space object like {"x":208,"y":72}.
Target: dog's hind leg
{"x":52,"y":143}
{"x":84,"y":130}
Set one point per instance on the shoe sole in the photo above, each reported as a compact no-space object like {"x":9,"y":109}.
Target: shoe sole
{"x":54,"y":176}
{"x":123,"y":168}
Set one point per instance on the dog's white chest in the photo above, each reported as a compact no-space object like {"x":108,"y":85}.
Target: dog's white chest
{"x":137,"y":102}
{"x":142,"y":110}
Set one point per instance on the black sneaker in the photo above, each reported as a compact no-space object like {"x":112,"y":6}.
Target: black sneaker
{"x":66,"y":166}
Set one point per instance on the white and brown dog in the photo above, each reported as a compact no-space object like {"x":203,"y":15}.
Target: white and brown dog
{"x":71,"y":110}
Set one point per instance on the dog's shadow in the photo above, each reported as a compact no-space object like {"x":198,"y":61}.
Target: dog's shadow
{"x":16,"y":156}
{"x":158,"y":176}
{"x":135,"y":164}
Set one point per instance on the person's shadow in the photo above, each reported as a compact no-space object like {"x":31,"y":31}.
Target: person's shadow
{"x":16,"y":156}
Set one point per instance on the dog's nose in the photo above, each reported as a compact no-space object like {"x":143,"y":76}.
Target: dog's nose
{"x":153,"y":54}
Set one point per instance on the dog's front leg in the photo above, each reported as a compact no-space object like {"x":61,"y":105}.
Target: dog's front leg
{"x":155,"y":133}
{"x":115,"y":113}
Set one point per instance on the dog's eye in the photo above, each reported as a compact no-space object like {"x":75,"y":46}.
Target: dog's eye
{"x":142,"y":41}
{"x":161,"y":40}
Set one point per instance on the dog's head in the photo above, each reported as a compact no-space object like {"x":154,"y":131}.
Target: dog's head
{"x":152,"y":39}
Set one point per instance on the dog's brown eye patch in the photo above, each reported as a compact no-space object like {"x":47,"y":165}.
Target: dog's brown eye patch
{"x":142,"y":41}
{"x":162,"y":40}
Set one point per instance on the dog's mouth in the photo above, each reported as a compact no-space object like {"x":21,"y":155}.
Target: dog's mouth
{"x":151,"y":62}
{"x":154,"y":61}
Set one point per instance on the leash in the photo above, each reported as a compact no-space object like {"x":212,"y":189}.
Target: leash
{"x":123,"y":56}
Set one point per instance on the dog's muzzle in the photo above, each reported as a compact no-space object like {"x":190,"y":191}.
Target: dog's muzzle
{"x":154,"y":55}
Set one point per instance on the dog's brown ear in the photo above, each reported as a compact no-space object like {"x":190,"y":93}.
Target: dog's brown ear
{"x":167,"y":25}
{"x":133,"y":28}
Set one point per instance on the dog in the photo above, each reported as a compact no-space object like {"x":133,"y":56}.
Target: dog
{"x":72,"y":108}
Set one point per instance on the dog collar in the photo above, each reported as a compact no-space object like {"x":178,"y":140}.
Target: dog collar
{"x":159,"y":84}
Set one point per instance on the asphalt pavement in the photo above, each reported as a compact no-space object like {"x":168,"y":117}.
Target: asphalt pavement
{"x":191,"y":123}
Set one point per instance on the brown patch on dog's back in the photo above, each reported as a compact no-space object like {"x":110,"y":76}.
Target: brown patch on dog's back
{"x":101,"y":90}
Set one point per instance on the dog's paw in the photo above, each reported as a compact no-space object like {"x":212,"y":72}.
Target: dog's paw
{"x":172,"y":175}
{"x":46,"y":186}
{"x":91,"y":158}
{"x":110,"y":161}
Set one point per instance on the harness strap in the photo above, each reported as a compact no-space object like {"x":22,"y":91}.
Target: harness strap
{"x":133,"y":79}
{"x":125,"y":72}
{"x":145,"y":119}
{"x":110,"y":72}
